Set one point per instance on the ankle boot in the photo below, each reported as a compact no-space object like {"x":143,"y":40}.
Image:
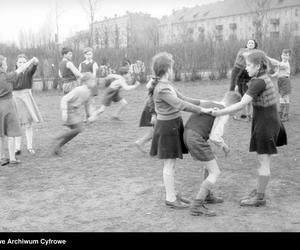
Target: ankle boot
{"x":255,"y":201}
{"x":197,"y":208}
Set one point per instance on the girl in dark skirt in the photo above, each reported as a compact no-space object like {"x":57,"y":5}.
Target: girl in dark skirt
{"x":167,"y":142}
{"x":9,"y":124}
{"x":148,"y":119}
{"x":267,"y":130}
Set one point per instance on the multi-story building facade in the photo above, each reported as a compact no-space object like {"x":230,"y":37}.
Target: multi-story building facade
{"x":132,"y":29}
{"x":241,"y":19}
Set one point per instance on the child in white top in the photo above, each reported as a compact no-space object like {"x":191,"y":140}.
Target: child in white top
{"x":283,"y":71}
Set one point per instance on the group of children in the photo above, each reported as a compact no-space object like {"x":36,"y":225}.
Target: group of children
{"x":18,"y":108}
{"x":80,"y":92}
{"x":240,"y":79}
{"x":170,"y":138}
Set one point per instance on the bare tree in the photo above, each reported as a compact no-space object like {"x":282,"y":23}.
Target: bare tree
{"x":91,"y":8}
{"x":259,"y":9}
{"x":58,"y":12}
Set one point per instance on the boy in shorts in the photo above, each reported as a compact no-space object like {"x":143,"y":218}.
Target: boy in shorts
{"x":199,"y":129}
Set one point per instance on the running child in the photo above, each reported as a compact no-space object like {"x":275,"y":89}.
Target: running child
{"x":67,"y":71}
{"x":199,"y":129}
{"x":267,"y":132}
{"x":9,"y":123}
{"x":167,"y":143}
{"x":283,"y":71}
{"x":70,"y":107}
{"x":114,"y":83}
{"x":27,"y":109}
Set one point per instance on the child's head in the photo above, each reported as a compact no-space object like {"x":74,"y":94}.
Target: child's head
{"x":3,"y":64}
{"x":88,"y":79}
{"x":162,"y":63}
{"x":232,"y":97}
{"x":285,"y":55}
{"x":67,"y":53}
{"x":21,"y":59}
{"x":88,"y":53}
{"x":252,"y":44}
{"x":124,"y":70}
{"x":257,"y":63}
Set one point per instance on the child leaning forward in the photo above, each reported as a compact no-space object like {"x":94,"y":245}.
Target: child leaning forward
{"x":70,"y":105}
{"x":198,"y":130}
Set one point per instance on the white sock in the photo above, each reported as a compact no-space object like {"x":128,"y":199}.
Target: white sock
{"x":11,"y":148}
{"x":2,"y":147}
{"x":29,"y":136}
{"x":169,"y":182}
{"x":18,"y":141}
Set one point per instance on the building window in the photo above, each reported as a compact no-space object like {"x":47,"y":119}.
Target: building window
{"x":194,"y":16}
{"x":296,"y":12}
{"x":206,"y":13}
{"x":275,"y":21}
{"x":219,"y":27}
{"x":233,"y":26}
{"x":201,"y":29}
{"x":274,"y":35}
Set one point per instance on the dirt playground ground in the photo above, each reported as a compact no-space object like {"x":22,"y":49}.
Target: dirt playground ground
{"x":103,"y":184}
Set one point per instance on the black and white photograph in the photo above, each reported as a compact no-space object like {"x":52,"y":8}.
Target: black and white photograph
{"x":149,"y":116}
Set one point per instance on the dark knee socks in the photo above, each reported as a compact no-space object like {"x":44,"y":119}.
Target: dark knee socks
{"x":205,"y":188}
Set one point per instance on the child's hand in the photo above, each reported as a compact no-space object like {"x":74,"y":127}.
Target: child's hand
{"x":215,"y":112}
{"x":35,"y":60}
{"x":64,"y":116}
{"x":226,"y":150}
{"x":153,"y":120}
{"x":206,"y":110}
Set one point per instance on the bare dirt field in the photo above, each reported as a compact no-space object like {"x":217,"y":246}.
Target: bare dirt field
{"x":103,"y":184}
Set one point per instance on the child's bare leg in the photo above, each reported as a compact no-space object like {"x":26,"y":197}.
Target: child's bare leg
{"x":65,"y":137}
{"x":285,"y":115}
{"x":123,"y":104}
{"x":101,"y":110}
{"x":146,"y":138}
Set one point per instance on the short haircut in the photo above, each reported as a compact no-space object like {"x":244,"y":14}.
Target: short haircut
{"x":287,"y":51}
{"x":123,"y":70}
{"x":66,"y":50}
{"x":22,"y":56}
{"x":233,"y":96}
{"x":87,"y":49}
{"x":86,"y":77}
{"x":2,"y":59}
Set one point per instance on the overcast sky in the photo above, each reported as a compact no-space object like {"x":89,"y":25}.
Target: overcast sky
{"x":17,"y":15}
